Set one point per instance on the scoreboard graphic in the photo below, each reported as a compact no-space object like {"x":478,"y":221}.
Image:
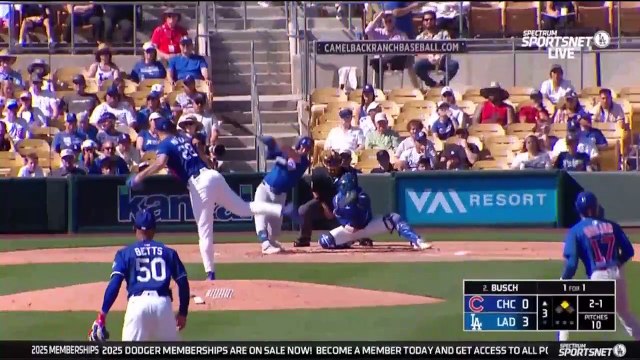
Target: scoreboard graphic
{"x":539,"y":305}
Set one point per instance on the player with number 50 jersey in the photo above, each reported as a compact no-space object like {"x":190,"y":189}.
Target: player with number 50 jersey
{"x":147,"y":266}
{"x":603,"y":248}
{"x":207,"y":188}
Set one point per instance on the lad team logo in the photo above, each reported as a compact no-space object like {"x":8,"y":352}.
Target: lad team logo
{"x":564,"y":47}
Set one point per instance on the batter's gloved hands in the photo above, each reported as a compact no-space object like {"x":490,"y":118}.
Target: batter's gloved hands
{"x":98,"y":331}
{"x":269,"y":141}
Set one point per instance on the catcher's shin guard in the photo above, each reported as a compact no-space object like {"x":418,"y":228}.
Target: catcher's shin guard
{"x":327,"y":241}
{"x":393,"y":222}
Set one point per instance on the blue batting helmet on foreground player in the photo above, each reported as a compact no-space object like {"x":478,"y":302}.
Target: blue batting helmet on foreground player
{"x":352,"y":208}
{"x":603,"y":248}
{"x":207,"y":187}
{"x":148,"y":267}
{"x":290,"y":165}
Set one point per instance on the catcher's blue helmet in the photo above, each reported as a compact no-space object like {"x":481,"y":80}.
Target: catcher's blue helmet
{"x":304,"y":142}
{"x":586,"y":201}
{"x":348,"y":182}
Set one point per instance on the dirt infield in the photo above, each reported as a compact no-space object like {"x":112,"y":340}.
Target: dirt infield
{"x":240,"y":294}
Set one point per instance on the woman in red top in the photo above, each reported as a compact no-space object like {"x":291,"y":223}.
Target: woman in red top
{"x":533,"y":112}
{"x":166,"y":37}
{"x":494,"y":110}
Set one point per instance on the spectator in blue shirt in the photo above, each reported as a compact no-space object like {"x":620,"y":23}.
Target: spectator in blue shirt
{"x":149,"y":67}
{"x":70,"y":138}
{"x":590,"y":132}
{"x":85,"y":128}
{"x":148,"y":139}
{"x":6,"y":71}
{"x":403,"y":12}
{"x":444,"y":127}
{"x":188,"y":63}
{"x":572,"y":160}
{"x":153,"y":106}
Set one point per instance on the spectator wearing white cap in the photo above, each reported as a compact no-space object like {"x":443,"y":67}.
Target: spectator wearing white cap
{"x":31,"y":168}
{"x":148,"y":140}
{"x":17,"y":127}
{"x":153,"y":106}
{"x":149,"y":67}
{"x":34,"y":116}
{"x":345,"y":137}
{"x":69,"y":166}
{"x":366,"y":123}
{"x":89,"y":156}
{"x":382,"y":137}
{"x":455,"y":113}
{"x":70,"y":138}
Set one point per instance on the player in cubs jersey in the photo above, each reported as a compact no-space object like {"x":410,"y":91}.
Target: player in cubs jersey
{"x":207,"y":187}
{"x":352,"y":208}
{"x":147,"y":266}
{"x":603,"y":248}
{"x":290,"y":166}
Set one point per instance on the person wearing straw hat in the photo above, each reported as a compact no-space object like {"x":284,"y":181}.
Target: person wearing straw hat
{"x":494,"y":110}
{"x":7,"y":60}
{"x":148,"y":67}
{"x":166,"y":37}
{"x":40,"y":66}
{"x":103,"y":68}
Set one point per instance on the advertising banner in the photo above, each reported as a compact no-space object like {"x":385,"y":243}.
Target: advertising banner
{"x":106,"y":204}
{"x":479,"y":198}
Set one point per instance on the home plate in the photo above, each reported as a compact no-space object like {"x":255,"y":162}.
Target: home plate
{"x":460,"y":253}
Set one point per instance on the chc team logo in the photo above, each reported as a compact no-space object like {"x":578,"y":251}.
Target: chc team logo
{"x":564,"y":47}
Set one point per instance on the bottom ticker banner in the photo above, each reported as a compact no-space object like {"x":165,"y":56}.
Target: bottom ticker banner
{"x":247,"y":350}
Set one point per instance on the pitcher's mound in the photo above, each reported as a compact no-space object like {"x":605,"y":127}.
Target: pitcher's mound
{"x":218,"y":295}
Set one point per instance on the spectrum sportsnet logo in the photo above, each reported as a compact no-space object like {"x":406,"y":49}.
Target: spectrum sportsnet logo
{"x":564,"y":47}
{"x":581,"y":350}
{"x":173,"y":208}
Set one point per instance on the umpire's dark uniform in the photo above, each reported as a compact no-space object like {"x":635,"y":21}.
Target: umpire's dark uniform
{"x":323,"y":184}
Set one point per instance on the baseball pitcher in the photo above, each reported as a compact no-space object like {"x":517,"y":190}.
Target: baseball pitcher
{"x":603,"y":248}
{"x":290,"y":166}
{"x":206,"y":187}
{"x":148,"y":267}
{"x":352,"y":208}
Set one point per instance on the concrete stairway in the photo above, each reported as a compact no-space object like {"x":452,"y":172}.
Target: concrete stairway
{"x":231,"y":76}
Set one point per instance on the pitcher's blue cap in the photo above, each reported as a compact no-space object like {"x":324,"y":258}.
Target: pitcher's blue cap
{"x":145,"y":220}
{"x":163,"y":124}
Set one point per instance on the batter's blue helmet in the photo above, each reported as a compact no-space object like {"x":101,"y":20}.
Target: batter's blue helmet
{"x":348,"y":182}
{"x":304,"y":142}
{"x":586,"y":201}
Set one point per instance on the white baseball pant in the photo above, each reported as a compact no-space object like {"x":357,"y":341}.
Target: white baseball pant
{"x":149,"y":317}
{"x":272,"y":224}
{"x":627,"y":319}
{"x":376,"y":226}
{"x":207,"y":190}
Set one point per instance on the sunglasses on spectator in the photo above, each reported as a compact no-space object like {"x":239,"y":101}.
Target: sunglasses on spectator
{"x":428,"y":19}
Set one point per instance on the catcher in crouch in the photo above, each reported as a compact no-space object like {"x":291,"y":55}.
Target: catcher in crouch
{"x":352,"y":208}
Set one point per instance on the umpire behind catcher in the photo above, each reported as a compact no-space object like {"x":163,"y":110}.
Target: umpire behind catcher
{"x":324,"y":187}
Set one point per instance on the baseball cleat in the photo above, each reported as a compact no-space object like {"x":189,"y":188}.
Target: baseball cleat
{"x":269,"y":249}
{"x":302,"y":242}
{"x":211,"y":275}
{"x":277,"y":244}
{"x":421,"y":245}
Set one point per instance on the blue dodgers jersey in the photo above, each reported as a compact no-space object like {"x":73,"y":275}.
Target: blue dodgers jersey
{"x":149,"y":141}
{"x":599,"y":244}
{"x":286,"y":173}
{"x":148,"y":266}
{"x":182,"y":159}
{"x":357,"y":213}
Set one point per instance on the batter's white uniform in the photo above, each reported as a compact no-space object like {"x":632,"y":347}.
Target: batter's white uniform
{"x":210,"y":188}
{"x":149,"y":317}
{"x":273,"y":224}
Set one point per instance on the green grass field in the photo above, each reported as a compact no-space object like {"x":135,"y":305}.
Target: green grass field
{"x":441,"y":321}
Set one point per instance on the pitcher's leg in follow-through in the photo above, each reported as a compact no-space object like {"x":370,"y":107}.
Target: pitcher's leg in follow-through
{"x":268,"y":227}
{"x":626,"y":317}
{"x":341,"y":237}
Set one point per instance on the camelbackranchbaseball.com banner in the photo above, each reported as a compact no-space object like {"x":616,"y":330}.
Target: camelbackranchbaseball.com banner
{"x":403,"y":47}
{"x":297,"y":350}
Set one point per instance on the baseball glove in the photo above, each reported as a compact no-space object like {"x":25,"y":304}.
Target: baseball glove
{"x":98,"y":331}
{"x":348,"y":198}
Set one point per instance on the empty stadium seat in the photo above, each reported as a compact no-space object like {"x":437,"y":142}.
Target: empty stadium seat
{"x":520,"y":16}
{"x":490,"y":165}
{"x":426,"y":106}
{"x":521,"y":130}
{"x":485,"y":20}
{"x":629,"y":12}
{"x":486,"y":130}
{"x":27,"y":146}
{"x":390,"y":108}
{"x":401,"y":95}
